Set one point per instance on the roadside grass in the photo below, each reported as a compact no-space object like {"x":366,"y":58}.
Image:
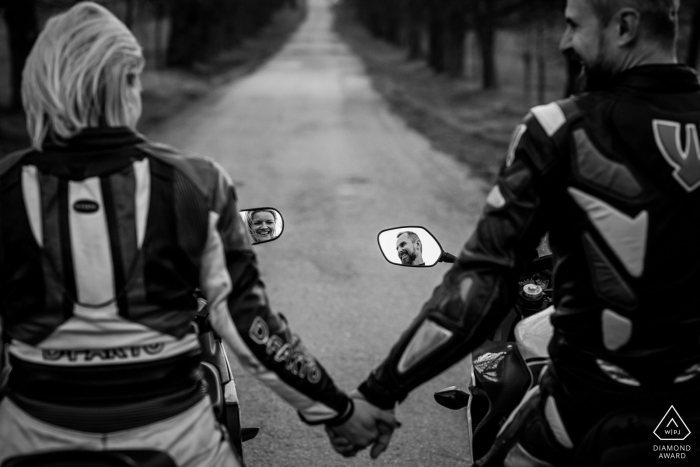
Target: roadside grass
{"x":167,"y":92}
{"x":457,"y":117}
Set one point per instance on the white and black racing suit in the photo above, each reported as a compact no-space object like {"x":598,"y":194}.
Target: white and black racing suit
{"x":613,"y":176}
{"x":104,"y":240}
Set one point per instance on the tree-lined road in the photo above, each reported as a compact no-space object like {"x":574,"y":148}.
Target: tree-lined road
{"x":308,"y":135}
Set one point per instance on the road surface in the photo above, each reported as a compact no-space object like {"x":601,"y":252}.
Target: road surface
{"x":308,"y":135}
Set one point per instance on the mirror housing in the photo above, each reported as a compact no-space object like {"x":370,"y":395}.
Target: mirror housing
{"x":452,"y":398}
{"x":412,"y":246}
{"x":262,"y":224}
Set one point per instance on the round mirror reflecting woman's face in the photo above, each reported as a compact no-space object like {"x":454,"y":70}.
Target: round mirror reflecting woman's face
{"x":264,"y":224}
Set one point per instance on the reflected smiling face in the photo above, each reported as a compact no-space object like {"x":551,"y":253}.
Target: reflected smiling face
{"x":408,"y":251}
{"x":264,"y":225}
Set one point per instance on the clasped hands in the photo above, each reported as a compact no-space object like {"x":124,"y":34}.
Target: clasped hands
{"x":368,"y":425}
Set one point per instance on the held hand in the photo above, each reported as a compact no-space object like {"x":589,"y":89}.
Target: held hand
{"x":382,"y":443}
{"x":368,"y":425}
{"x":386,"y":424}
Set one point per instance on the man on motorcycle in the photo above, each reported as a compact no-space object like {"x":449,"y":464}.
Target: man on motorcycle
{"x":104,"y":239}
{"x":613,"y":175}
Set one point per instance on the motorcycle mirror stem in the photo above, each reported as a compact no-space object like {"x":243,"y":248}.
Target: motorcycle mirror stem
{"x":446,"y":257}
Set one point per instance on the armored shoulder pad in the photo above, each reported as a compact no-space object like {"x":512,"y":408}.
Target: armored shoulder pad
{"x":554,"y":115}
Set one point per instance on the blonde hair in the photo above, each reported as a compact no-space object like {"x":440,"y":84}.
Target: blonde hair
{"x":82,"y":72}
{"x":250,"y":220}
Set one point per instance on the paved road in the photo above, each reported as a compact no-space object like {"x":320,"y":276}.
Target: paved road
{"x":308,"y":135}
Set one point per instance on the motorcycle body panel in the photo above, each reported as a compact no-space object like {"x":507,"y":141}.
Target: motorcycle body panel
{"x":501,"y":379}
{"x":532,"y":335}
{"x":501,"y":373}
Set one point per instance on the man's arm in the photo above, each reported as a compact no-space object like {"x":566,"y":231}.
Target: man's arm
{"x":480,"y":288}
{"x":241,"y":314}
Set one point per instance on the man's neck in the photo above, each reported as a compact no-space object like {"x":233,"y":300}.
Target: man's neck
{"x":649,"y":56}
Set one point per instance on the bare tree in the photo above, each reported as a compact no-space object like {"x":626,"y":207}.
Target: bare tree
{"x":22,"y":28}
{"x":130,"y":14}
{"x":436,"y":35}
{"x":413,"y":16}
{"x":202,"y":28}
{"x":485,"y":26}
{"x":455,"y":37}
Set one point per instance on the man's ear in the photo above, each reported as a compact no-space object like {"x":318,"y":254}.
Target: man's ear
{"x":627,"y":21}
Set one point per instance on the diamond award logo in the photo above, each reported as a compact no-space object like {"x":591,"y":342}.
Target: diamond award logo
{"x":672,"y":427}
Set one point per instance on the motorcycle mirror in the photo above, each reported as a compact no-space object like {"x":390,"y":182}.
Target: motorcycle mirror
{"x":262,"y":224}
{"x":412,"y":246}
{"x":452,"y":398}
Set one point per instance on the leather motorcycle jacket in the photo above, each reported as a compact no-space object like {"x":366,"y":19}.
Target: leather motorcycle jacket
{"x":104,"y":240}
{"x":613,"y":176}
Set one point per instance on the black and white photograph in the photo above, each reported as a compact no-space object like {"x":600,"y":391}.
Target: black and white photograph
{"x":349,"y":233}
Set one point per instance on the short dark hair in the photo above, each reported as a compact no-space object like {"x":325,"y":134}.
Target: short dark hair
{"x":412,"y":235}
{"x":660,"y":17}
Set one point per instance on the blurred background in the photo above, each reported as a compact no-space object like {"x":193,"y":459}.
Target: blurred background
{"x":339,"y":113}
{"x":499,"y":43}
{"x":464,"y":72}
{"x":187,"y":45}
{"x":468,"y":63}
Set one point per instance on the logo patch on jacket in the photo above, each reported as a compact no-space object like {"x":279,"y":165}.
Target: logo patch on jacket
{"x":685,"y":160}
{"x":86,"y":206}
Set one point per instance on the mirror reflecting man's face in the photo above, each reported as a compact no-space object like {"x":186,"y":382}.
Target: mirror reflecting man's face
{"x":264,"y":225}
{"x":409,"y":251}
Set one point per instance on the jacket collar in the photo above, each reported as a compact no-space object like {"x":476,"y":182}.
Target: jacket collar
{"x":658,"y":79}
{"x":93,"y":140}
{"x":91,"y":153}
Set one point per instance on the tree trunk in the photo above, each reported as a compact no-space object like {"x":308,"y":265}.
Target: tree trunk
{"x":527,"y":72}
{"x":456,"y":33}
{"x":436,"y":42}
{"x":159,"y":50}
{"x":183,"y":46}
{"x":486,"y":32}
{"x":130,"y":14}
{"x":22,"y":31}
{"x":541,"y":68}
{"x":375,"y":20}
{"x":414,"y":41}
{"x":691,"y":58}
{"x":414,"y":28}
{"x":394,"y":22}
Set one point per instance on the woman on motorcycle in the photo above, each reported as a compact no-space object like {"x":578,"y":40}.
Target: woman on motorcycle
{"x":104,"y":239}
